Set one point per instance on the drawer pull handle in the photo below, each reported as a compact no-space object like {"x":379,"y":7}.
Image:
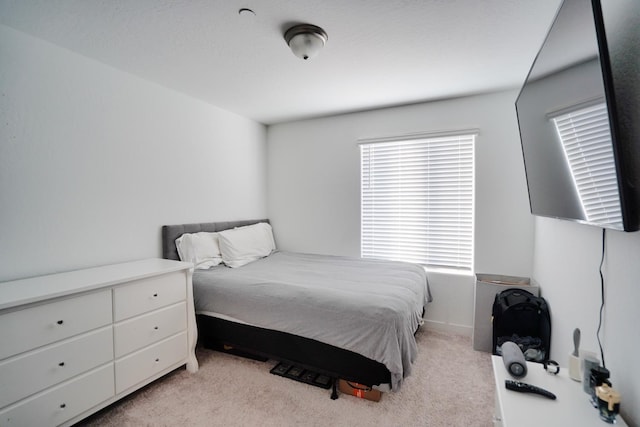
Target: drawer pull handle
{"x":61,"y":364}
{"x":155,"y":295}
{"x":62,"y":406}
{"x":60,"y":322}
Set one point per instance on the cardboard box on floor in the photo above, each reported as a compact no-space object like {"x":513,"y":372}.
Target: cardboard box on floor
{"x":359,"y":390}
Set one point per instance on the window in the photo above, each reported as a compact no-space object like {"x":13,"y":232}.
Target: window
{"x":586,"y":141}
{"x":417,"y":199}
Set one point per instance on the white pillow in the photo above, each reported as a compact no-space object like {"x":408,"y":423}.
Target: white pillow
{"x":242,"y":245}
{"x":201,"y":249}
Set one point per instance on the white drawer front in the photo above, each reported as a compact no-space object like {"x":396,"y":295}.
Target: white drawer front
{"x":149,"y":294}
{"x":34,"y":371}
{"x":133,"y":334}
{"x":35,"y":326}
{"x":145,"y":363}
{"x":62,"y":402}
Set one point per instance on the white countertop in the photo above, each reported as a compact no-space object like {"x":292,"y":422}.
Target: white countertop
{"x":571,"y":408}
{"x":34,"y":289}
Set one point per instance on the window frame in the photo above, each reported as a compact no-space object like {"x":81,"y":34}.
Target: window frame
{"x":465,"y":263}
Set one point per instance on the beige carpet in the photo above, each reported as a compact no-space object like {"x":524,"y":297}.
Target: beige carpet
{"x":451,"y":385}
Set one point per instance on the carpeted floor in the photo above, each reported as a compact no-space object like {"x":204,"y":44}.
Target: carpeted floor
{"x":451,"y":385}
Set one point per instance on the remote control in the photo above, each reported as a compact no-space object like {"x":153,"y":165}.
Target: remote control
{"x":528,"y":388}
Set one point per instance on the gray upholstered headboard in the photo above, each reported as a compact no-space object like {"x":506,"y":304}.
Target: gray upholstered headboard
{"x":171,"y":232}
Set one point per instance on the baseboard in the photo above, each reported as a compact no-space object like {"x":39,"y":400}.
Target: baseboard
{"x":449,"y":328}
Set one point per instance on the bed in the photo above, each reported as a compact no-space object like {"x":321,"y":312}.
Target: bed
{"x":347,"y":318}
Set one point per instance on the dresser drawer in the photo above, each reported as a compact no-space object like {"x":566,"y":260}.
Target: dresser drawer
{"x":145,"y":363}
{"x":63,"y":402}
{"x":34,"y":371}
{"x":43,"y":324}
{"x":149,"y":294}
{"x":138,"y":332}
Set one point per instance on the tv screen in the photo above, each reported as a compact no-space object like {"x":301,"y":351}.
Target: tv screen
{"x":579,"y":114}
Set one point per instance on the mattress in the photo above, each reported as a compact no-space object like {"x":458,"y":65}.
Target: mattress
{"x":371,"y":307}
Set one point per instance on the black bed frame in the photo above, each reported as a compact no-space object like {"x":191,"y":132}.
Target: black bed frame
{"x":263,"y":343}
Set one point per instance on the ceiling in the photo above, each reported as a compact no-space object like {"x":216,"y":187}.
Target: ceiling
{"x":380,"y":52}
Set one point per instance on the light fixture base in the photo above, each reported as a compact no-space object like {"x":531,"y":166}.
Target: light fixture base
{"x":305,"y":40}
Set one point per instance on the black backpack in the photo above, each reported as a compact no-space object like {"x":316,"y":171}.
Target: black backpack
{"x":523,"y":318}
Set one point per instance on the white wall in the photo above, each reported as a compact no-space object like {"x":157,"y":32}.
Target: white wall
{"x":314,"y":188}
{"x":93,"y":161}
{"x":566,"y":262}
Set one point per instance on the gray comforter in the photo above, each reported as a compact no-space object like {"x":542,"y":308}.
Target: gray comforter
{"x":371,"y":307}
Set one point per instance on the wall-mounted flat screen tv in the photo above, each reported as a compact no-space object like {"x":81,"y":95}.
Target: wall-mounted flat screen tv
{"x":579,"y":116}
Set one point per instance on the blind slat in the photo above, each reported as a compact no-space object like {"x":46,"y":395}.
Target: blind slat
{"x":586,"y":141}
{"x":417,"y":200}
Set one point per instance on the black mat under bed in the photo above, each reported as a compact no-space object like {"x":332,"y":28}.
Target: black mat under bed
{"x":301,"y":374}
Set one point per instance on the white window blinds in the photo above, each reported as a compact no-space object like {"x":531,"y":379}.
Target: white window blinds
{"x":418,"y":200}
{"x":586,"y":140}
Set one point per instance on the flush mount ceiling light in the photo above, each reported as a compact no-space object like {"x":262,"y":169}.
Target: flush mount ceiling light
{"x":305,"y":40}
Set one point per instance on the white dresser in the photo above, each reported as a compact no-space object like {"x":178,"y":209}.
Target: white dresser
{"x":73,"y":343}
